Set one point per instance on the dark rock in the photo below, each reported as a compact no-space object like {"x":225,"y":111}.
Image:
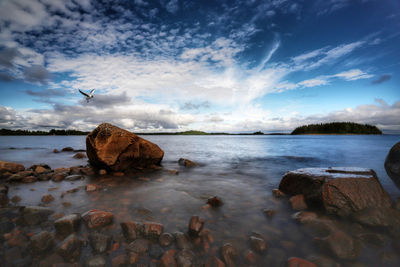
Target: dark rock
{"x":56,"y":150}
{"x":97,"y":218}
{"x":296,"y":262}
{"x":88,"y":171}
{"x":45,"y":176}
{"x":33,"y":215}
{"x":59,"y":176}
{"x":392,"y":164}
{"x":12,"y":254}
{"x":51,"y":261}
{"x":47,"y":198}
{"x":18,"y":177}
{"x":213,"y":261}
{"x":186,"y":162}
{"x":168,"y":259}
{"x":278,"y":193}
{"x":269,"y":213}
{"x":250,"y":256}
{"x":6,"y":226}
{"x":120,"y":260}
{"x":258,"y":244}
{"x":70,"y":248}
{"x":75,"y":170}
{"x":388,"y":218}
{"x":95,"y":261}
{"x":323,"y":261}
{"x":184,"y":258}
{"x":67,"y":149}
{"x":229,"y":254}
{"x":29,"y":179}
{"x":152,"y":229}
{"x":215,"y":201}
{"x":3,"y":199}
{"x":340,"y":245}
{"x":79,"y":155}
{"x":166,"y":239}
{"x":155,"y":251}
{"x":16,"y":199}
{"x":139,"y":246}
{"x":298,"y":202}
{"x":67,"y":224}
{"x":42,"y":242}
{"x":113,"y":148}
{"x":3,"y":189}
{"x":130,"y":230}
{"x":99,"y":242}
{"x":74,"y":177}
{"x":342,"y":191}
{"x":11,"y":167}
{"x":182,"y":241}
{"x":195,"y":225}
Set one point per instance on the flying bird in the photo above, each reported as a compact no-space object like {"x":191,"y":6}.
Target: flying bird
{"x":88,"y":96}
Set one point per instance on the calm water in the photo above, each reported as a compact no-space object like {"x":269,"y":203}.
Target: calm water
{"x":241,"y":170}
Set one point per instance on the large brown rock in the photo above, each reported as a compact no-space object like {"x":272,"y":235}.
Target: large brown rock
{"x":392,"y":164}
{"x":11,"y":167}
{"x":114,"y":148}
{"x":341,"y":191}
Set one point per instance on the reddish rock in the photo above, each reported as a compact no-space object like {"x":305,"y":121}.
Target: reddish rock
{"x":305,"y":216}
{"x":298,"y":202}
{"x":118,"y":174}
{"x":91,"y":187}
{"x":79,"y":155}
{"x":152,"y":229}
{"x":195,"y":225}
{"x":102,"y":172}
{"x":40,"y":170}
{"x":67,"y":225}
{"x":97,"y":218}
{"x":16,"y":199}
{"x":55,"y":150}
{"x":174,"y":172}
{"x":215,"y":201}
{"x":114,"y":148}
{"x":29,"y":179}
{"x":342,"y":191}
{"x":47,"y":198}
{"x":130,"y":230}
{"x":88,"y":171}
{"x":133,"y":257}
{"x":184,"y":258}
{"x":59,"y":176}
{"x":166,"y":239}
{"x":139,"y":246}
{"x":229,"y":254}
{"x":278,"y":193}
{"x":298,"y":262}
{"x":186,"y":162}
{"x":340,"y":245}
{"x":11,"y":167}
{"x":70,"y":248}
{"x":168,"y":259}
{"x":250,"y":256}
{"x":18,"y":177}
{"x":120,"y":260}
{"x":75,"y":170}
{"x":258,"y":244}
{"x":16,"y":238}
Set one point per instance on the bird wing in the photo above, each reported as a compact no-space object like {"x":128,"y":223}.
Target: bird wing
{"x":83,"y":93}
{"x":92,"y":91}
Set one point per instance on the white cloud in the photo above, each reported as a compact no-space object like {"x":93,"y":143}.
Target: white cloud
{"x":313,"y":82}
{"x":354,"y":74}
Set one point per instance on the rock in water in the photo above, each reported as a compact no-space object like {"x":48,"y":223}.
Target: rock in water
{"x":114,"y":148}
{"x":342,"y":191}
{"x":392,"y":164}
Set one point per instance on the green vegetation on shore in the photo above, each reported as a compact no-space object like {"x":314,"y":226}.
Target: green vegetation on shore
{"x":337,"y":128}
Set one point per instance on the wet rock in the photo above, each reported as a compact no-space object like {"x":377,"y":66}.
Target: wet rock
{"x":18,"y":177}
{"x":392,"y":164}
{"x":213,"y":261}
{"x":182,"y":241}
{"x":95,"y":261}
{"x":184,"y":258}
{"x":55,"y":150}
{"x":33,"y":215}
{"x":16,"y":238}
{"x":29,"y":179}
{"x":67,"y":149}
{"x":59,"y":176}
{"x":258,"y":244}
{"x":75,"y":170}
{"x":195,"y":225}
{"x":174,"y":172}
{"x":155,"y":251}
{"x":102,"y":172}
{"x":340,"y":245}
{"x":40,"y":170}
{"x":305,"y":216}
{"x":278,"y":193}
{"x":342,"y":191}
{"x":79,"y":155}
{"x":45,"y":176}
{"x":97,"y":218}
{"x":70,"y":248}
{"x":91,"y":187}
{"x":74,"y":177}
{"x":298,"y":202}
{"x":166,"y":239}
{"x":229,"y":254}
{"x":133,"y":257}
{"x":67,"y":224}
{"x":42,"y":242}
{"x":139,"y":246}
{"x":186,"y":163}
{"x":380,"y":217}
{"x":3,"y":199}
{"x":88,"y":171}
{"x":11,"y":167}
{"x":3,"y":189}
{"x":113,"y":148}
{"x":120,"y":260}
{"x":215,"y":201}
{"x":168,"y":259}
{"x":117,"y":174}
{"x":297,"y":262}
{"x":374,"y":239}
{"x":6,"y":226}
{"x":11,"y":254}
{"x":47,"y":198}
{"x":99,"y":242}
{"x":250,"y":256}
{"x":130,"y":230}
{"x":152,"y":229}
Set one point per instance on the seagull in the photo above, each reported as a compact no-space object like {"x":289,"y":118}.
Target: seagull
{"x":88,"y":96}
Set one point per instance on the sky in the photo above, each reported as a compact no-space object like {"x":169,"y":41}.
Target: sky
{"x":215,"y":66}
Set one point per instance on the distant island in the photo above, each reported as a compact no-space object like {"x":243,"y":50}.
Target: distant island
{"x":337,"y":128}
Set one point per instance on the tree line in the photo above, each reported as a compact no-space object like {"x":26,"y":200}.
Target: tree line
{"x":337,"y":128}
{"x":51,"y":132}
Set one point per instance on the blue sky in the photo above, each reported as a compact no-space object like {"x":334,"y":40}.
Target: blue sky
{"x":217,"y":66}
